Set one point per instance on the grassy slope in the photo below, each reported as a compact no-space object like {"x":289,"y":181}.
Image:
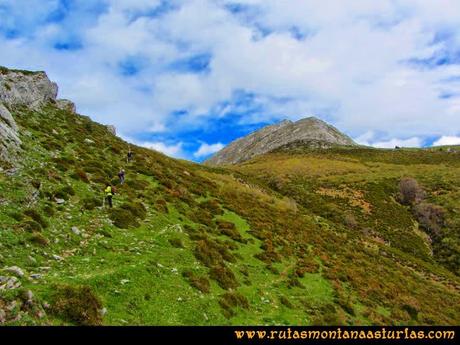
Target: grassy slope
{"x":193,"y":245}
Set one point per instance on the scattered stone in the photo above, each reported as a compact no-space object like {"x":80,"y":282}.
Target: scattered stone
{"x":57,"y":257}
{"x":124,"y":281}
{"x":3,"y":279}
{"x":103,"y":311}
{"x":29,"y":296}
{"x":12,"y":283}
{"x":179,"y":299}
{"x":36,"y":276}
{"x":174,"y":270}
{"x":65,"y":104}
{"x":76,"y":231}
{"x":160,"y":265}
{"x":89,"y":141}
{"x":16,"y":270}
{"x":59,"y":201}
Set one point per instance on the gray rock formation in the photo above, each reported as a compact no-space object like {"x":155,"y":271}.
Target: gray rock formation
{"x":309,"y":131}
{"x":111,"y":129}
{"x":23,"y":88}
{"x":32,"y":89}
{"x":9,"y":137}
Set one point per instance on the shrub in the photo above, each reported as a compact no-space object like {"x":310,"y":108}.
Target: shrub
{"x":286,"y":302}
{"x":200,"y":283}
{"x":36,"y":184}
{"x":229,"y":229}
{"x":224,"y":277}
{"x":136,"y":208}
{"x":430,"y":217}
{"x":123,"y":219}
{"x":16,"y":216}
{"x":32,"y":226}
{"x":91,"y":203}
{"x":36,"y":217}
{"x":64,"y":193}
{"x":176,"y":242}
{"x":39,"y":239}
{"x":230,"y":300}
{"x":161,"y":206}
{"x":212,"y":206}
{"x":410,"y":191}
{"x":49,"y":210}
{"x":80,"y":175}
{"x":77,"y":304}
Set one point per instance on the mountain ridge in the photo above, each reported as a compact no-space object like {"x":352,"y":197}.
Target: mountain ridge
{"x":271,"y":137}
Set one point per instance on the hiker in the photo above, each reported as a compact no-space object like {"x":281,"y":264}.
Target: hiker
{"x":130,"y":156}
{"x":109,"y":194}
{"x":121,"y":176}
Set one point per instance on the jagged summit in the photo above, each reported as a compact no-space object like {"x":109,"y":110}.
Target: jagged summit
{"x":310,"y":130}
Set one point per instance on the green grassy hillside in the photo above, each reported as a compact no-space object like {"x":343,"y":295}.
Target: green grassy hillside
{"x":291,"y":238}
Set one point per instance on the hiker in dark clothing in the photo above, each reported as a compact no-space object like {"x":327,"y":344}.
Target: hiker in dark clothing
{"x":109,"y":195}
{"x":121,"y":176}
{"x":130,"y":156}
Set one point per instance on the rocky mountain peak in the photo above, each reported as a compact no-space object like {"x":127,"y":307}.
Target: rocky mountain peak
{"x":310,"y":131}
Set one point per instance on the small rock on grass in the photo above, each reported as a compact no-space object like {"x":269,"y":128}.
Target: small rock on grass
{"x":16,"y":270}
{"x":76,"y":231}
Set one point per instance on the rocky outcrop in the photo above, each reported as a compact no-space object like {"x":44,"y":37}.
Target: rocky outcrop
{"x":9,"y":137}
{"x":269,"y":138}
{"x":23,"y":88}
{"x":65,"y":104}
{"x":111,"y":129}
{"x":31,"y":89}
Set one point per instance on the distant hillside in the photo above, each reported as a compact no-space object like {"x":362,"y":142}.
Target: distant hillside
{"x":311,"y":131}
{"x":284,"y":239}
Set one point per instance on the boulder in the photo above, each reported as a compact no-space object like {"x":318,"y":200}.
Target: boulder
{"x":65,"y":104}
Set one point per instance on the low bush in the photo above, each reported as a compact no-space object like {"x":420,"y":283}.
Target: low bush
{"x":136,"y":208}
{"x":36,"y":216}
{"x":410,"y":191}
{"x":91,"y":203}
{"x":230,"y":300}
{"x":39,"y":239}
{"x":200,"y":283}
{"x":176,"y":242}
{"x":123,"y":219}
{"x":77,"y":304}
{"x":224,"y":277}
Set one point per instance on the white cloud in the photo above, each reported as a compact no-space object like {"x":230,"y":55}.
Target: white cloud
{"x":369,"y":139}
{"x":174,"y":150}
{"x":447,"y":140}
{"x":206,"y":149}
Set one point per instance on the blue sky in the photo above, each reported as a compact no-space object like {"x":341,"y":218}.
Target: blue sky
{"x":187,"y":77}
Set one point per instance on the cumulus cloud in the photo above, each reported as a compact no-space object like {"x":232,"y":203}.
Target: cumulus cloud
{"x":207,"y":149}
{"x":369,"y":139}
{"x":157,"y":67}
{"x":447,"y":140}
{"x":174,"y":150}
